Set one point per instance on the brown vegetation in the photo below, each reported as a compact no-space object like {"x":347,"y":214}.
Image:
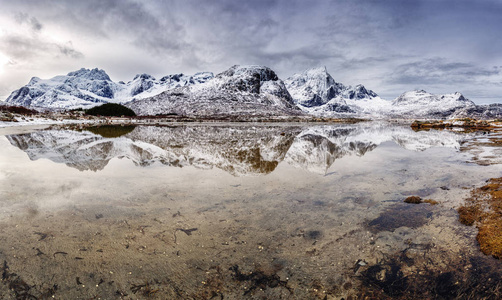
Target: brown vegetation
{"x":413,"y":200}
{"x":465,"y":123}
{"x":18,"y":110}
{"x":431,"y":202}
{"x":484,"y":209}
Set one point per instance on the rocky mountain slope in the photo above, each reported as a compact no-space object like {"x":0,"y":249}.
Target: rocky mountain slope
{"x":87,"y":88}
{"x":315,"y":91}
{"x":240,"y":90}
{"x":481,"y":112}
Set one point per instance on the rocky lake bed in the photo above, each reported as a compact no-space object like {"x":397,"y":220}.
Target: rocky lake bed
{"x":254,"y":210}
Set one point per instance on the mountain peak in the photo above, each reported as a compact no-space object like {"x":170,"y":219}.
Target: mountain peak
{"x":460,"y":97}
{"x":144,"y":76}
{"x":359,"y":92}
{"x":319,"y":69}
{"x":315,"y":87}
{"x":435,"y":105}
{"x":93,"y":74}
{"x":264,"y":73}
{"x":249,"y":79}
{"x":34,"y":80}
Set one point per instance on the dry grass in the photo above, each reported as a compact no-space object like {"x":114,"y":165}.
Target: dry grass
{"x":431,"y":202}
{"x":484,"y":209}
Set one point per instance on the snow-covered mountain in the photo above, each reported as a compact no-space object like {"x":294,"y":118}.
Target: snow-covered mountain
{"x":238,"y":150}
{"x":482,"y":112}
{"x":426,"y":105}
{"x":87,"y":88}
{"x":315,"y":91}
{"x":240,"y":90}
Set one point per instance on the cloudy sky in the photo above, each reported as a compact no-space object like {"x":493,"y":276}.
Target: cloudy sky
{"x":390,"y":46}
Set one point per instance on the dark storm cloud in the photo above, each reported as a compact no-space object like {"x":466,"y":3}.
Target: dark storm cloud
{"x":146,"y":28}
{"x":24,"y":18}
{"x":23,"y":48}
{"x":393,"y":44}
{"x":69,"y":51}
{"x":440,"y":71}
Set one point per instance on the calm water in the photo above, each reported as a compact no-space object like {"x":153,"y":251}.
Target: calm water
{"x":232,"y":212}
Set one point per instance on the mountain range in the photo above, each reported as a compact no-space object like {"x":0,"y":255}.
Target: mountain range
{"x":87,"y":88}
{"x":241,"y":91}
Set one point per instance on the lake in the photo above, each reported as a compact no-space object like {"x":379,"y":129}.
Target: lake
{"x":232,"y":211}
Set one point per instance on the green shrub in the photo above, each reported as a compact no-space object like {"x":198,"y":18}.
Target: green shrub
{"x":111,"y":110}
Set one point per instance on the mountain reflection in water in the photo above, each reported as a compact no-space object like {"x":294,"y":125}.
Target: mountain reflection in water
{"x":239,"y":150}
{"x":327,"y":221}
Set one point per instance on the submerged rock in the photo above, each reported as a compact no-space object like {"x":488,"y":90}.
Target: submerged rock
{"x":413,"y":199}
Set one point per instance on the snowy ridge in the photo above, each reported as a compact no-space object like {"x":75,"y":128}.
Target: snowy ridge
{"x":483,"y":112}
{"x":87,"y":88}
{"x":423,"y":104}
{"x":240,"y":151}
{"x":410,"y":105}
{"x":240,"y":90}
{"x":315,"y":91}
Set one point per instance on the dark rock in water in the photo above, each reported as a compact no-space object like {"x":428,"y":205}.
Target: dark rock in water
{"x":387,"y":277}
{"x":413,"y":200}
{"x":401,"y":215}
{"x":395,"y":277}
{"x":446,"y":285}
{"x":258,"y":280}
{"x":314,"y":234}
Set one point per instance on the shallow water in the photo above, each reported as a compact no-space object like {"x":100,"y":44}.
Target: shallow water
{"x":241,"y":211}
